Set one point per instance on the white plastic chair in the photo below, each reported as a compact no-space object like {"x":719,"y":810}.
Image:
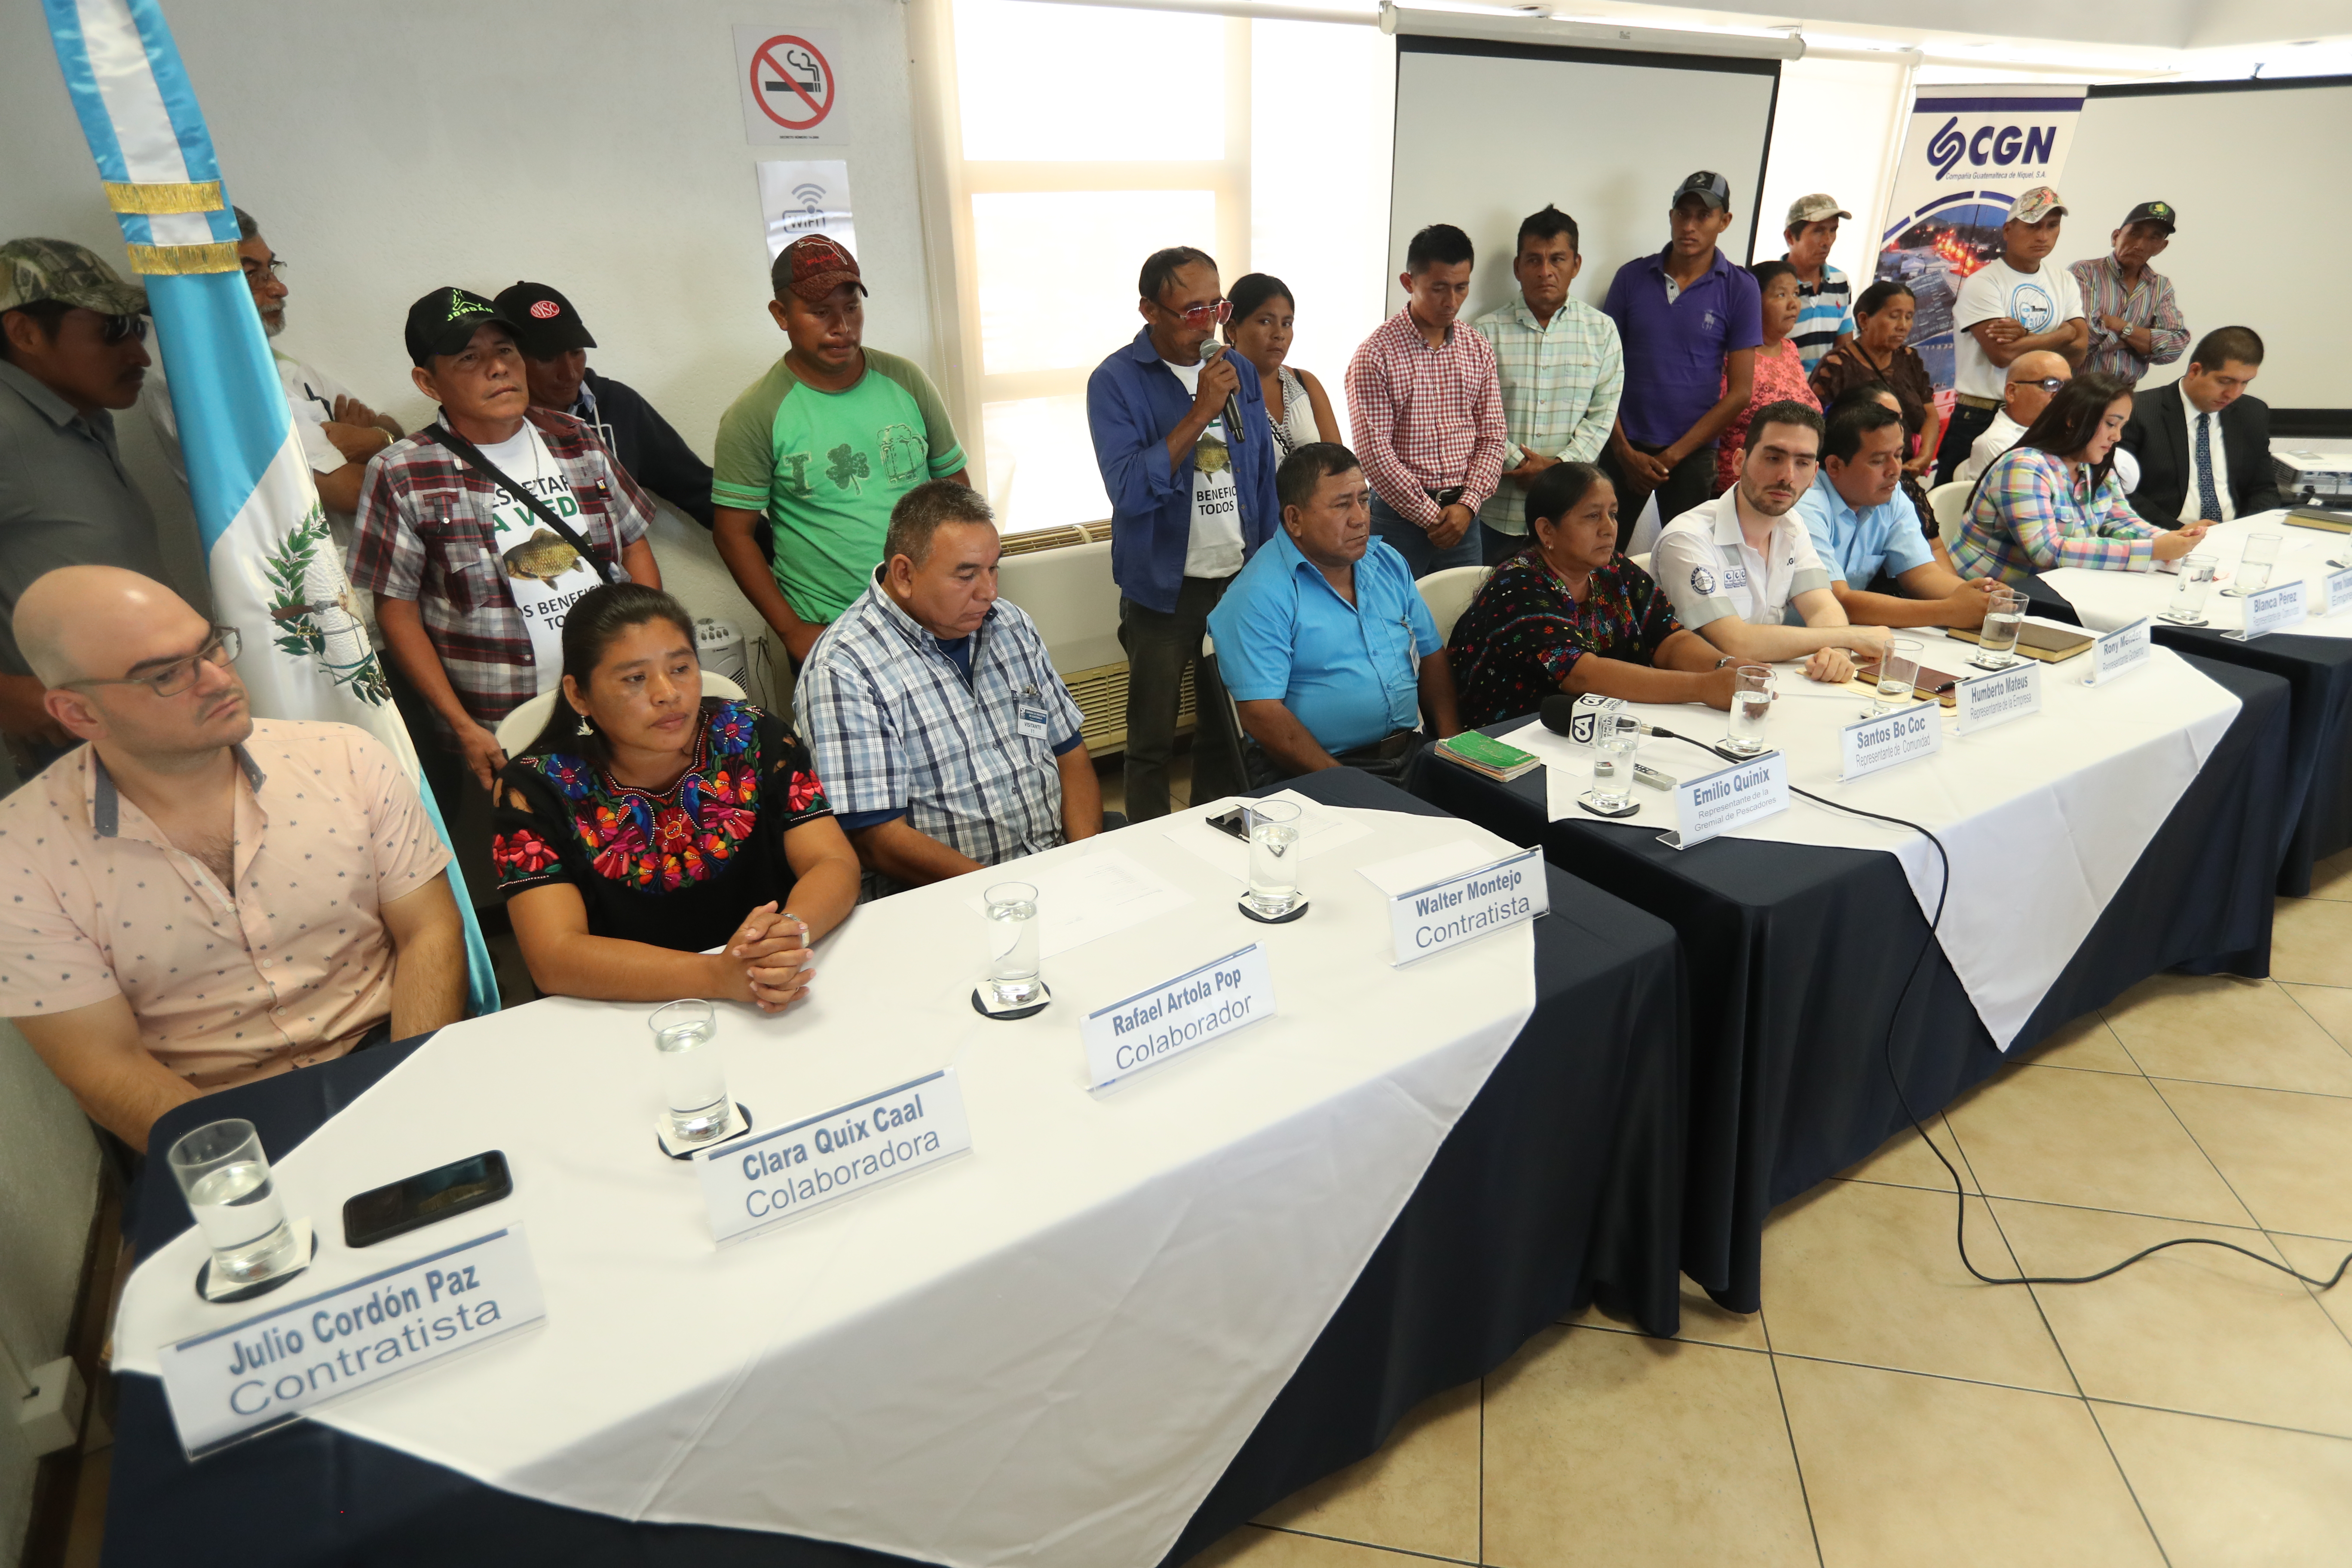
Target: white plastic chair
{"x":1448,"y":593}
{"x":1642,"y":560}
{"x":1949,"y":503}
{"x":522,"y":727}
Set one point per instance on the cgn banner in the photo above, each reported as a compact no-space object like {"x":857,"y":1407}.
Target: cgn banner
{"x":1969,"y":153}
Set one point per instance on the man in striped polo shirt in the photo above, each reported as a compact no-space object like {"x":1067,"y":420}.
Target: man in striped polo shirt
{"x":1825,"y":318}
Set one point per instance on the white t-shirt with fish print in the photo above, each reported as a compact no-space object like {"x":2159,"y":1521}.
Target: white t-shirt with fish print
{"x":546,"y":575}
{"x":1215,"y":549}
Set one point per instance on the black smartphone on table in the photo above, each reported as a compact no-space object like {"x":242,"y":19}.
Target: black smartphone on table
{"x":416,"y":1201}
{"x":1231,"y":822}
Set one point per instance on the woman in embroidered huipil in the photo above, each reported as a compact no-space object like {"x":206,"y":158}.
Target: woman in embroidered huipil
{"x":648,"y":823}
{"x":1569,"y":613}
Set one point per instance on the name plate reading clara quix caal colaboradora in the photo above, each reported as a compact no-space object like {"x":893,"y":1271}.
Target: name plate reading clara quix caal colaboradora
{"x":1178,"y":1016}
{"x":763,"y":1177}
{"x":272,"y":1367}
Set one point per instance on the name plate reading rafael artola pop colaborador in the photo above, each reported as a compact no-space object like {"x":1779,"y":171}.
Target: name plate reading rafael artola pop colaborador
{"x":266,"y":1370}
{"x":1981,"y":702}
{"x":1873,"y":745}
{"x":1469,"y":904}
{"x":1180,"y":1014}
{"x":764,"y":1177}
{"x":2279,"y":609}
{"x":2120,"y":652}
{"x":1714,"y":804}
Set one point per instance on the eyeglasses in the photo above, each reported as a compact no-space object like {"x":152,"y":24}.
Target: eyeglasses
{"x":117,"y":328}
{"x":259,"y":272}
{"x":1215,"y":312}
{"x":2047,"y":383}
{"x":180,"y":674}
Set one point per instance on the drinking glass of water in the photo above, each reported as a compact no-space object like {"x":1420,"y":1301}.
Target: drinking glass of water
{"x":1898,"y":674}
{"x":1751,"y":704}
{"x":694,"y":1079}
{"x":1613,"y":741}
{"x":1997,"y":639}
{"x":221,"y":1168}
{"x":2262,"y":547}
{"x":1013,"y":944}
{"x":1273,"y":857}
{"x":2188,"y":590}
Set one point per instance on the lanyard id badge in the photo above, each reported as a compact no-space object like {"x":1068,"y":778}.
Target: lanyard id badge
{"x":1031,"y":710}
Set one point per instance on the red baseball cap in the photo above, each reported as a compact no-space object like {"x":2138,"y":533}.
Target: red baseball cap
{"x":812,"y":267}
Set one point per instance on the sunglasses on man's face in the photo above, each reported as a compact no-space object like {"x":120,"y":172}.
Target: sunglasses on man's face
{"x":2047,"y":383}
{"x":117,"y":328}
{"x":1212,"y":313}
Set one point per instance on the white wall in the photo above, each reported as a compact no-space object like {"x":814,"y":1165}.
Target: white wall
{"x":1835,"y":130}
{"x":390,"y":148}
{"x":49,"y":1191}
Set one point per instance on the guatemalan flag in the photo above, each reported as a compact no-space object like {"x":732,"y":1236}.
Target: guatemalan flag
{"x":275,"y":573}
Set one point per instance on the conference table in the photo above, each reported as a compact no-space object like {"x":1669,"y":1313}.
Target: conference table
{"x":2314,"y":660}
{"x":1805,"y":1012}
{"x":1128,"y":1320}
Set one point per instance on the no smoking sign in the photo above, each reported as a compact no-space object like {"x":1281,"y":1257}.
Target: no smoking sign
{"x":788,"y":85}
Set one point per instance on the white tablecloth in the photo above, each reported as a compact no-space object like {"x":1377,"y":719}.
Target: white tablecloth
{"x":2106,"y":600}
{"x":1045,"y":1352}
{"x":2043,"y":817}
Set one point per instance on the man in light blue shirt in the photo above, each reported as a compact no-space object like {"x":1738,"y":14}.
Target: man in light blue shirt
{"x":1323,"y":640}
{"x":1861,"y":523}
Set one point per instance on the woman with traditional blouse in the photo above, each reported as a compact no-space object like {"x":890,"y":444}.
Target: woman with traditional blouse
{"x":1780,"y":368}
{"x":1880,"y":351}
{"x":1571,"y":615}
{"x":1260,"y":331}
{"x":2053,"y":500}
{"x":648,"y":823}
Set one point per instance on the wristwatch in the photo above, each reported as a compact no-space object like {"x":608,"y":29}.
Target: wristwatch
{"x":1724,"y":660}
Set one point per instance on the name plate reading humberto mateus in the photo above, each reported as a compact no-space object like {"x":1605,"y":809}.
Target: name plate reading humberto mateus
{"x":267,"y":1369}
{"x":1177,"y":1015}
{"x":764,"y":1177}
{"x":1469,"y":904}
{"x":1985,"y":700}
{"x":2120,"y":652}
{"x":1873,"y":745}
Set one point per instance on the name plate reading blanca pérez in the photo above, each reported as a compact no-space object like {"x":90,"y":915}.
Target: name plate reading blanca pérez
{"x":1177,"y":1015}
{"x":2278,"y":609}
{"x":764,"y":1177}
{"x":264,"y":1370}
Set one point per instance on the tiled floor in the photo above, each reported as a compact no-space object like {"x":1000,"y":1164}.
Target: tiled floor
{"x":1885,"y":1408}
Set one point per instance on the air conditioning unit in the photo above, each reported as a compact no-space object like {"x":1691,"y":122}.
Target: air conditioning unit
{"x":1061,"y":576}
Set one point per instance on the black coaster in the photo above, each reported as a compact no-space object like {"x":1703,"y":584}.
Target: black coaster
{"x":1628,"y":809}
{"x":981,"y":1005}
{"x":1243,"y":905}
{"x":742,"y":1124}
{"x":1728,"y":755}
{"x":259,"y":1287}
{"x":2200,"y":621}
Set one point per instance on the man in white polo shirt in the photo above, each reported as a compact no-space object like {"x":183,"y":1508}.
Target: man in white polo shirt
{"x":1734,"y":566}
{"x":2013,"y":306}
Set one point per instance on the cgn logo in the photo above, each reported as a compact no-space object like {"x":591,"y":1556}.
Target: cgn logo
{"x":2000,"y":145}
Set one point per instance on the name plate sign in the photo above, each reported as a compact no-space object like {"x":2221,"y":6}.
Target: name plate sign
{"x":2278,"y":609}
{"x":1874,"y":745}
{"x":763,"y":1177}
{"x":2338,"y":586}
{"x":1469,"y":904}
{"x":266,"y":1370}
{"x":1179,"y":1016}
{"x":1714,"y":804}
{"x":1985,"y":700}
{"x":2120,"y":652}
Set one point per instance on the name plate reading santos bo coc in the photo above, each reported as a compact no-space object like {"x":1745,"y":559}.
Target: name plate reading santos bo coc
{"x":1874,"y":745}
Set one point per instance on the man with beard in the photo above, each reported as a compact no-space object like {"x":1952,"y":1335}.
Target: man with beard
{"x":1734,"y":566}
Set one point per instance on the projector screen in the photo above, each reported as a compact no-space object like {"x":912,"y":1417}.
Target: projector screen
{"x":2250,"y":166}
{"x":1488,"y":132}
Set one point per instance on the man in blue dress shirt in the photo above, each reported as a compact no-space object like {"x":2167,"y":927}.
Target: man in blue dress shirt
{"x":1326,"y":643}
{"x":1862,"y":524}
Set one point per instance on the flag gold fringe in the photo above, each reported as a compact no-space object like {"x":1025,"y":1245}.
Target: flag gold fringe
{"x":200,"y":196}
{"x":179,"y":260}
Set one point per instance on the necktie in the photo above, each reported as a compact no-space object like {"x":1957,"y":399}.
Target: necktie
{"x":2209,"y":501}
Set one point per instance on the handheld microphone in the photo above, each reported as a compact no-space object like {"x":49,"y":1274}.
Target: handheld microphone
{"x":1233,"y":431}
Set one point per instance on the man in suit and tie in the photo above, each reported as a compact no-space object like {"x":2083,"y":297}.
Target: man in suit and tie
{"x":2203,"y":444}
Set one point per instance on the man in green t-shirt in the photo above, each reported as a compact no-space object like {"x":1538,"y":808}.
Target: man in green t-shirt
{"x":824,"y":446}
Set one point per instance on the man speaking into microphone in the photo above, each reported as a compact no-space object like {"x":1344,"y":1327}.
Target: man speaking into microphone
{"x":1188,"y":459}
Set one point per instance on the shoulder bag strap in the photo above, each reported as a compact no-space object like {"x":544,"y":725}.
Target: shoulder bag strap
{"x":471,"y":455}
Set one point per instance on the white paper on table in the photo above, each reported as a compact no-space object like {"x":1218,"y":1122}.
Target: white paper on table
{"x":1088,"y":897}
{"x":1410,"y":873}
{"x":1320,"y":830}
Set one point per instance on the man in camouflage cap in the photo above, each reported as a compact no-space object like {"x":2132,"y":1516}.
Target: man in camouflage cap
{"x":72,"y":348}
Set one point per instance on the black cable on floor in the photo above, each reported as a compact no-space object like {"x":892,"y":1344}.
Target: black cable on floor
{"x":1959,"y":1187}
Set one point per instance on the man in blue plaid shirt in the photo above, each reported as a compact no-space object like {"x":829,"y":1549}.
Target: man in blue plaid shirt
{"x":944,"y":738}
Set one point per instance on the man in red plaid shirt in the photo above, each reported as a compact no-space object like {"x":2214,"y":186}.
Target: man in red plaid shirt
{"x":470,"y":583}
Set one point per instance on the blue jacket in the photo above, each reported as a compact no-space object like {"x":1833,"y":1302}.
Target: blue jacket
{"x":1133,"y":402}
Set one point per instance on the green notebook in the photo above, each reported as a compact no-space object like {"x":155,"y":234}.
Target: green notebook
{"x":1485,"y":754}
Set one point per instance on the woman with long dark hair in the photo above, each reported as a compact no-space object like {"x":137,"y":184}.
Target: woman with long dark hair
{"x":648,"y":823}
{"x":2053,"y":500}
{"x":1880,"y":354}
{"x":1260,"y":331}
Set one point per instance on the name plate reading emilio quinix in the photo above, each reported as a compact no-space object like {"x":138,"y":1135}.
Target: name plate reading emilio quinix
{"x":763,"y":1177}
{"x":1714,"y":804}
{"x":270,"y":1368}
{"x":1177,"y":1015}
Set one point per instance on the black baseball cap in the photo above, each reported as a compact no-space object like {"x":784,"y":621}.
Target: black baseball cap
{"x":1707,"y":184}
{"x":545,"y":325}
{"x":444,"y":322}
{"x":2153,"y":212}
